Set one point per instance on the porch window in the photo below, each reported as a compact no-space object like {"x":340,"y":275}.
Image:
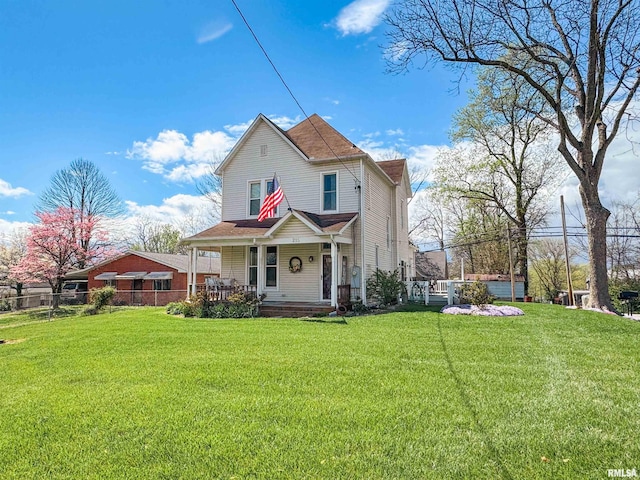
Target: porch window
{"x":330,"y":192}
{"x":253,"y":266}
{"x":162,"y":284}
{"x":254,"y":198}
{"x":271,"y":268}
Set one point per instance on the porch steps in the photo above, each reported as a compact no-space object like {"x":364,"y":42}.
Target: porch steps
{"x":293,"y":309}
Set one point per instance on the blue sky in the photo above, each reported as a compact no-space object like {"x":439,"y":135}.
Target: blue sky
{"x":150,"y":91}
{"x":129,"y":84}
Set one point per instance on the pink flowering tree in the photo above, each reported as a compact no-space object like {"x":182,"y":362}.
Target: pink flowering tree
{"x":62,"y":241}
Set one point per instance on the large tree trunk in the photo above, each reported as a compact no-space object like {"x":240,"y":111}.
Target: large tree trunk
{"x":596,"y":216}
{"x":522,"y":261}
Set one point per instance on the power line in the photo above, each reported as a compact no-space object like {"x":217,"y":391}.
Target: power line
{"x":255,"y":37}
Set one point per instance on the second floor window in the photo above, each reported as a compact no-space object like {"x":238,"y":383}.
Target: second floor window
{"x":254,"y":198}
{"x":257,"y":191}
{"x":330,"y":191}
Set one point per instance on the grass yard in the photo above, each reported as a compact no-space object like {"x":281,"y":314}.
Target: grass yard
{"x":409,"y":395}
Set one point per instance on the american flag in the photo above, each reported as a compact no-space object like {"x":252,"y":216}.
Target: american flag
{"x":271,"y":201}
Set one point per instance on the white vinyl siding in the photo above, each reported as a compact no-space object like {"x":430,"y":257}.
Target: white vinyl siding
{"x":233,"y":263}
{"x":302,"y":286}
{"x":299,"y":178}
{"x":381,"y":194}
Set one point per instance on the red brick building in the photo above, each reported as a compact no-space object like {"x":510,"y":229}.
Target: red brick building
{"x":145,"y":278}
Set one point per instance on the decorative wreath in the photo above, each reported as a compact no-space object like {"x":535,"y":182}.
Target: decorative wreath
{"x":295,"y":264}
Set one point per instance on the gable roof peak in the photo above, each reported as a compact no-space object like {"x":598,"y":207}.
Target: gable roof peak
{"x":319,"y":140}
{"x":393,"y":168}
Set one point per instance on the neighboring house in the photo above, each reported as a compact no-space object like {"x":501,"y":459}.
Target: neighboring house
{"x":499,"y":285}
{"x":146,"y":278}
{"x":431,"y":265}
{"x":343,"y":215}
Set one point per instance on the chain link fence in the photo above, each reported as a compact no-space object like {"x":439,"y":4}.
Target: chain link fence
{"x":154,"y":298}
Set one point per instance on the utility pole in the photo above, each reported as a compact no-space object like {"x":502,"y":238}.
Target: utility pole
{"x":566,"y":252}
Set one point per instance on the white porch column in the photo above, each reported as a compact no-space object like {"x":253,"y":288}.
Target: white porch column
{"x":334,"y":274}
{"x":189,"y":269}
{"x":261,"y":271}
{"x":194,"y":270}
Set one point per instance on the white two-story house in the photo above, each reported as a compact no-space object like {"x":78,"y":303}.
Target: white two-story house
{"x":343,"y":215}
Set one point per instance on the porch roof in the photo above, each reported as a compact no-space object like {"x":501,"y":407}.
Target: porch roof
{"x":331,"y":224}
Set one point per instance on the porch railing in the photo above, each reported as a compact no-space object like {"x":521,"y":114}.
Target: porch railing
{"x":220,"y":293}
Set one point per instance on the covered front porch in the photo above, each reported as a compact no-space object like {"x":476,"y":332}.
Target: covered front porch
{"x":299,"y":258}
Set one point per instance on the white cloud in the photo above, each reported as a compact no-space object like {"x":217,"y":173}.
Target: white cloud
{"x":188,"y":213}
{"x":6,"y":190}
{"x":173,"y":155}
{"x":360,"y":16}
{"x":238,"y":129}
{"x":286,"y":122}
{"x":171,"y":210}
{"x":8,"y":212}
{"x":213,"y":31}
{"x":397,"y":131}
{"x":424,"y":156}
{"x":170,"y":147}
{"x":7,"y":228}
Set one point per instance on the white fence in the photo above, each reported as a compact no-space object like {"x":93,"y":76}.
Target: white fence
{"x":420,"y":291}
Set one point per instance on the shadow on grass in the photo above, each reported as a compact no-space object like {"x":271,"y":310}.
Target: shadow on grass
{"x":462,"y":390}
{"x":330,"y":320}
{"x":418,"y":307}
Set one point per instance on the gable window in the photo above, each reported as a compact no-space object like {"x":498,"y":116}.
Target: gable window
{"x":253,"y":266}
{"x":254,"y":198}
{"x":330,"y":191}
{"x":271,"y":268}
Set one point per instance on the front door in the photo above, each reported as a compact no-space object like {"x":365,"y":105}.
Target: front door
{"x":326,"y":277}
{"x":136,"y":293}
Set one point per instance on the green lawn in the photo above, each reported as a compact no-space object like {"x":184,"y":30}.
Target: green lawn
{"x":140,"y":394}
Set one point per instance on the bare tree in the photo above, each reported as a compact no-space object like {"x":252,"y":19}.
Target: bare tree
{"x":152,"y":236}
{"x":210,"y":185}
{"x":508,"y":163}
{"x":581,"y":56}
{"x":81,"y":187}
{"x":623,"y":244}
{"x":12,"y":250}
{"x":428,"y":222}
